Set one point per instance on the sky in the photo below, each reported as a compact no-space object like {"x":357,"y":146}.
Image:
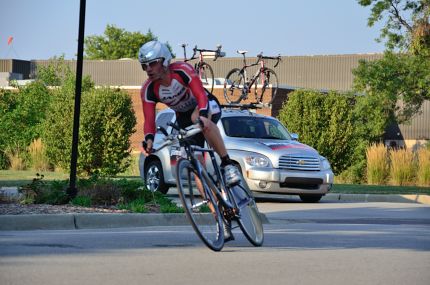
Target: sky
{"x":42,"y":29}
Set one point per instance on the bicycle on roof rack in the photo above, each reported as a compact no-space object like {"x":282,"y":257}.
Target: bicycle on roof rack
{"x":212,"y":204}
{"x":203,"y":69}
{"x":237,"y":86}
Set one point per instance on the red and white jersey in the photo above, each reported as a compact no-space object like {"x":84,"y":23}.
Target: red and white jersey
{"x":184,"y":93}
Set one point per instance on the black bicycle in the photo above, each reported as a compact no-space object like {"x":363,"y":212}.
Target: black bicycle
{"x":203,"y":69}
{"x":237,"y":86}
{"x":208,"y":203}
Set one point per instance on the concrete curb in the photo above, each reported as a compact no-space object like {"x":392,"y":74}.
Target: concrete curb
{"x":110,"y":220}
{"x":92,"y":221}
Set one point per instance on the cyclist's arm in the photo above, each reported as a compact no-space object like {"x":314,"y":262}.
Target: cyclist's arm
{"x":148,"y":106}
{"x":192,"y":80}
{"x":199,"y":92}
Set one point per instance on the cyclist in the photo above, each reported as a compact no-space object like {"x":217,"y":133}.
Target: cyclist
{"x":179,"y":87}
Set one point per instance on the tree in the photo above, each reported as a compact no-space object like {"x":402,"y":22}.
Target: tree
{"x":407,"y":25}
{"x":398,"y":83}
{"x":116,"y":43}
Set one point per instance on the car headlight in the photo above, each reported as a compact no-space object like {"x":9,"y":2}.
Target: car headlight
{"x":257,"y":160}
{"x":324,"y":163}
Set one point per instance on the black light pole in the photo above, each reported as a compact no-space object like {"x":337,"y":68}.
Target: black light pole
{"x":72,"y":191}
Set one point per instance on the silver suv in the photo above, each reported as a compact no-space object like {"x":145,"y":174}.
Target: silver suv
{"x":270,"y":158}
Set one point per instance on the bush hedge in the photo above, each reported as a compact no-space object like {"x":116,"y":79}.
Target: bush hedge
{"x":325,"y":122}
{"x":22,"y":114}
{"x":106,"y":123}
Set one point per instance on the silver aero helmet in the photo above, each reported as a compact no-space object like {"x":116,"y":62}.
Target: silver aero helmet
{"x":153,"y":50}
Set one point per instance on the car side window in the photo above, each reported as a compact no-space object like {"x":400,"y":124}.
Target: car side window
{"x":163,"y":119}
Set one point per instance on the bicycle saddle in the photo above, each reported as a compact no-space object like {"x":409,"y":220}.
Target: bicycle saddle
{"x":242,"y":51}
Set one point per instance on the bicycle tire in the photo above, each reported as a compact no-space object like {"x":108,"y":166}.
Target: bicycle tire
{"x":249,"y":219}
{"x":207,"y":225}
{"x":206,"y":75}
{"x":268,"y":79}
{"x":234,"y":84}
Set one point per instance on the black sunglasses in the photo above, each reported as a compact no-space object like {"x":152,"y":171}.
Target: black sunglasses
{"x":151,"y":63}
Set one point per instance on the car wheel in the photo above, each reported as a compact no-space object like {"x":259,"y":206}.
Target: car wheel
{"x":154,"y":177}
{"x":310,"y":198}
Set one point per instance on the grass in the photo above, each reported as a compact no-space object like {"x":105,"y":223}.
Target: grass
{"x":378,"y":189}
{"x":377,"y":164}
{"x":23,"y":177}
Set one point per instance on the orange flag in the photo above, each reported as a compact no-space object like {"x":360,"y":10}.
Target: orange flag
{"x":9,"y":40}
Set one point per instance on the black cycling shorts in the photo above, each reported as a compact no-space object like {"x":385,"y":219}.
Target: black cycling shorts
{"x":184,"y":120}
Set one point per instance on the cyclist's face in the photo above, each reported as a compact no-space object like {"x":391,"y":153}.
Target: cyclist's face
{"x":154,"y":69}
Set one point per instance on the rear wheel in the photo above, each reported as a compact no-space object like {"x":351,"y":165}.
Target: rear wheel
{"x":267,"y":85}
{"x":201,"y":209}
{"x":206,"y":75}
{"x":234,"y":84}
{"x":249,"y":217}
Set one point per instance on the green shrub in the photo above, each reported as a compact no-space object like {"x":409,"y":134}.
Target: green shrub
{"x":136,"y":206}
{"x":101,"y":191}
{"x":106,"y":124}
{"x":58,"y":125}
{"x":108,"y":121}
{"x":132,"y":190}
{"x":83,"y":201}
{"x":323,"y":121}
{"x":41,"y":192}
{"x":353,"y":174}
{"x":22,"y":113}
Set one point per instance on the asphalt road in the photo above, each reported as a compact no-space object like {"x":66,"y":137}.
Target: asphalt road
{"x":325,"y":243}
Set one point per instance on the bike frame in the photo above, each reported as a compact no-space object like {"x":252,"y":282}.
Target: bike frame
{"x":226,"y":200}
{"x":202,"y":172}
{"x":250,"y":82}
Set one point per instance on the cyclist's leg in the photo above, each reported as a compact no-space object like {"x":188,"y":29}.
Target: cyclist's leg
{"x":213,"y":137}
{"x":184,"y":120}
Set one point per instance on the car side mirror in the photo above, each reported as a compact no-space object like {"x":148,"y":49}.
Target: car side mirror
{"x":295,"y":137}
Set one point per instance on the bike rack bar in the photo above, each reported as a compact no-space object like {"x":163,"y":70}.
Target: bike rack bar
{"x":247,"y":106}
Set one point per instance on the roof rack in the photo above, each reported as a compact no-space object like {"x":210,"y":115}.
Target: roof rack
{"x":247,"y":106}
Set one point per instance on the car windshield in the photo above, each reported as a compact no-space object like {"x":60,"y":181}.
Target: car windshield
{"x":255,"y":127}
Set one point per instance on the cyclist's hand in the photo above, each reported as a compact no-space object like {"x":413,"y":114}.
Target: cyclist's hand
{"x":147,"y":147}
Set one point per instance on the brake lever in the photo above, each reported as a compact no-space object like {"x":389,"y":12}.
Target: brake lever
{"x":163,"y":130}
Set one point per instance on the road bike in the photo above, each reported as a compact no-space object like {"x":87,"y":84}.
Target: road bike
{"x":203,"y":69}
{"x":237,"y":86}
{"x":212,"y":205}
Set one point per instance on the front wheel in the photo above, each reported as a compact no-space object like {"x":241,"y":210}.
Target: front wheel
{"x":199,"y":205}
{"x":249,"y":219}
{"x":234,"y":85}
{"x":266,"y":83}
{"x":206,"y":75}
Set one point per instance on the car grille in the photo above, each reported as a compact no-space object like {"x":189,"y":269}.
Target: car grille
{"x":299,"y":162}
